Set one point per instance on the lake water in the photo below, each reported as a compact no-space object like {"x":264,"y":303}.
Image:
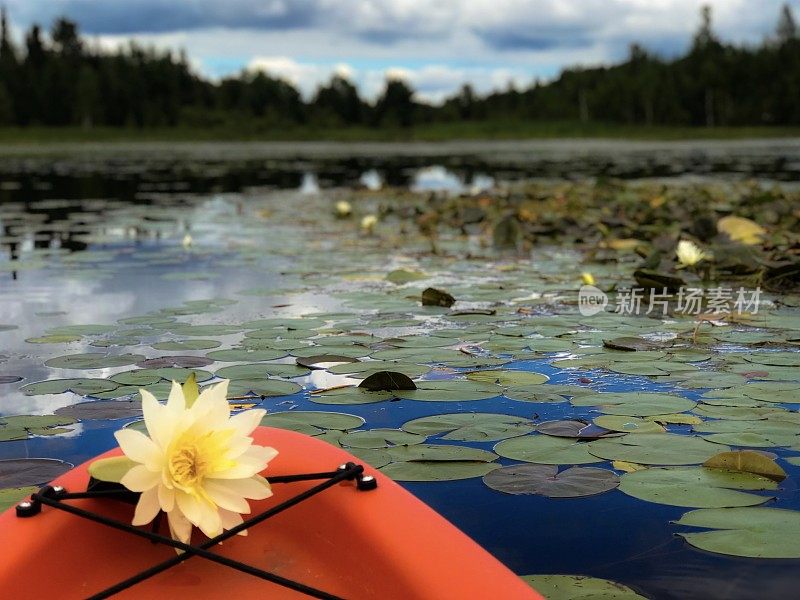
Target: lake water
{"x":98,"y":235}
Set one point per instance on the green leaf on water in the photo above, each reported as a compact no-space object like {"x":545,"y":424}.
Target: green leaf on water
{"x":696,"y":487}
{"x":470,"y":427}
{"x":753,"y":532}
{"x":546,"y":480}
{"x":579,"y":587}
{"x":111,"y":469}
{"x":546,"y":449}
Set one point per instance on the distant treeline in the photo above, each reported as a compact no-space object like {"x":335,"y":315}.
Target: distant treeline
{"x":59,"y":80}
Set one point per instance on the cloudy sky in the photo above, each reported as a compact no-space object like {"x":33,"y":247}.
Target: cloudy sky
{"x":436,"y":44}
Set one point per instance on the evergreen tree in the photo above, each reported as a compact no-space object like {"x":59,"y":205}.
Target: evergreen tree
{"x":786,"y":31}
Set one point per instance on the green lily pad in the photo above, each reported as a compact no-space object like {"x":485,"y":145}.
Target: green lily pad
{"x":262,"y":387}
{"x":450,"y":390}
{"x":244,"y":355}
{"x":545,"y":480}
{"x":179,"y":345}
{"x":655,"y":449}
{"x":102,"y":409}
{"x":366,"y":368}
{"x":380,"y":438}
{"x":81,"y":330}
{"x":312,"y":422}
{"x":179,"y":374}
{"x":20,"y":427}
{"x":508,"y":378}
{"x":576,"y":429}
{"x":137,"y":377}
{"x":534,"y":394}
{"x":753,"y":532}
{"x":60,"y":338}
{"x":374,"y":457}
{"x":696,"y":487}
{"x":350,"y":395}
{"x":579,"y":587}
{"x":439,"y":452}
{"x":11,"y":496}
{"x":261,"y":370}
{"x":437,"y":471}
{"x":83,"y":387}
{"x":470,"y":427}
{"x":636,"y":404}
{"x":93,"y":360}
{"x":546,"y":449}
{"x":628,"y":424}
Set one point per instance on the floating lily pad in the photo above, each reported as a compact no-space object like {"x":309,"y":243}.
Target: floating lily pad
{"x":628,"y":424}
{"x":574,"y":429}
{"x":439,"y":452}
{"x":83,"y":387}
{"x":312,"y":422}
{"x":20,"y":427}
{"x":262,"y":387}
{"x":180,"y":374}
{"x":636,"y":404}
{"x":545,"y":480}
{"x":321,"y":361}
{"x":579,"y":587}
{"x":12,"y":496}
{"x":244,"y":355}
{"x":373,"y":457}
{"x":546,"y":449}
{"x":350,"y":395}
{"x":380,"y":438}
{"x":753,"y":532}
{"x":138,"y":377}
{"x":59,"y":338}
{"x":93,"y":360}
{"x":696,"y":487}
{"x":470,"y":427}
{"x":747,"y":461}
{"x":169,"y":362}
{"x":437,"y":471}
{"x":360,"y":370}
{"x":259,"y":370}
{"x":202,"y":330}
{"x":401,"y":276}
{"x":508,"y":378}
{"x":534,"y":394}
{"x":81,"y":330}
{"x":655,"y":449}
{"x":451,"y":390}
{"x":23,"y":472}
{"x":9,"y":379}
{"x":182,"y":345}
{"x":419,"y":355}
{"x":102,"y":409}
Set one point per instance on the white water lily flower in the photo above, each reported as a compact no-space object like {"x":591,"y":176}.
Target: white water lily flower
{"x":198,"y":464}
{"x":343,"y":209}
{"x":689,"y":254}
{"x":368,"y":223}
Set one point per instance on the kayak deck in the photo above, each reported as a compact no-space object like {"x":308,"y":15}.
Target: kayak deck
{"x":383,"y":543}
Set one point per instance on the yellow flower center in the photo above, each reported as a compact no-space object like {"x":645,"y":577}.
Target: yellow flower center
{"x":187,"y":465}
{"x":194,"y":457}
